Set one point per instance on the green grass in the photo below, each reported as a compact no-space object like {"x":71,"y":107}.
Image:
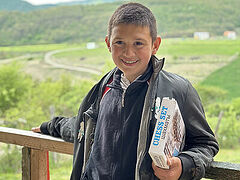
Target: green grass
{"x":92,"y":57}
{"x":13,"y":51}
{"x":227,"y":78}
{"x":8,"y":176}
{"x":228,"y":155}
{"x":62,"y":169}
{"x":183,"y":47}
{"x":37,"y":48}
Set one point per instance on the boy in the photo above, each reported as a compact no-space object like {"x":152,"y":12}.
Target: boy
{"x":118,"y":111}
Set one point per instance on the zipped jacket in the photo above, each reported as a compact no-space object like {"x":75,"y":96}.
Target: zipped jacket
{"x":199,"y":146}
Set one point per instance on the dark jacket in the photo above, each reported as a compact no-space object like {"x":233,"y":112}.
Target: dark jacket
{"x":200,"y":144}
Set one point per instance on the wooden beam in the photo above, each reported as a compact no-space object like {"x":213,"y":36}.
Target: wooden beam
{"x":35,"y":140}
{"x":223,"y":171}
{"x":26,"y":163}
{"x":39,"y":166}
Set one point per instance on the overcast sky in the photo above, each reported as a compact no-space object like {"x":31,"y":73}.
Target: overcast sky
{"x":39,"y":2}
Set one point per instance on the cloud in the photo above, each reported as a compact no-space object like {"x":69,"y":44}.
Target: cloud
{"x":40,"y":2}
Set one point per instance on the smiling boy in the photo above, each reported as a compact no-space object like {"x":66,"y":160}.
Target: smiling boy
{"x":132,"y":47}
{"x":118,"y":111}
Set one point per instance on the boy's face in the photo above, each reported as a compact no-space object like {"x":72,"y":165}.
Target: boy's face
{"x":131,"y":47}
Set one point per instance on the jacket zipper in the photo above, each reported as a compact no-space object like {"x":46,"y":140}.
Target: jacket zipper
{"x":123,"y":97}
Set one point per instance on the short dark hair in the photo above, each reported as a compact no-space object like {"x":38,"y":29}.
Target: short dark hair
{"x":133,"y":13}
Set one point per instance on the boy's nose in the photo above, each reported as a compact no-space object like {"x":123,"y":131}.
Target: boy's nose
{"x":129,"y":51}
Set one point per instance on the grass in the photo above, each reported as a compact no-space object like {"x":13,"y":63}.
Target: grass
{"x":226,"y":78}
{"x":8,"y":176}
{"x":14,"y":51}
{"x":183,"y":47}
{"x":62,"y":169}
{"x":87,"y":57}
{"x":228,"y":155}
{"x":37,"y":48}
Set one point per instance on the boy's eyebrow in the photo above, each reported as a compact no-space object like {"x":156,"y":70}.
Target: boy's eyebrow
{"x":140,"y":39}
{"x":117,"y":38}
{"x":120,"y":38}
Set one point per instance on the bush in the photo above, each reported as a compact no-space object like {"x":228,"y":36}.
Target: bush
{"x":62,"y":97}
{"x":14,"y":86}
{"x":228,"y":132}
{"x":210,"y":94}
{"x":10,"y":160}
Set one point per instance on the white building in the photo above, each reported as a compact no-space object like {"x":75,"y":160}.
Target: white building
{"x":201,"y":35}
{"x":230,"y":34}
{"x":91,"y":45}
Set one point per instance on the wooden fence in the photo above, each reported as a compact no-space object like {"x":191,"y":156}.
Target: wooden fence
{"x":36,"y":146}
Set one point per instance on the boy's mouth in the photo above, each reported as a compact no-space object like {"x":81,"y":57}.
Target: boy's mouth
{"x":129,"y":62}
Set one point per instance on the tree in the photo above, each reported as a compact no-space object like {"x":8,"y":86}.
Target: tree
{"x":14,"y":86}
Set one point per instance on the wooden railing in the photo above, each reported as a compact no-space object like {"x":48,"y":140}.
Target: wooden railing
{"x":35,"y":150}
{"x":36,"y":146}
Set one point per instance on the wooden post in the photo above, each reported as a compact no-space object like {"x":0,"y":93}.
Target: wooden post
{"x":218,"y":123}
{"x":39,"y":167}
{"x":26,"y":163}
{"x":34,"y":164}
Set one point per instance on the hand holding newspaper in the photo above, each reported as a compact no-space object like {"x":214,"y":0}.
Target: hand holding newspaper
{"x":168,"y":133}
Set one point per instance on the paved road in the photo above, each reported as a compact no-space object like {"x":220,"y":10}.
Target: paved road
{"x":48,"y":59}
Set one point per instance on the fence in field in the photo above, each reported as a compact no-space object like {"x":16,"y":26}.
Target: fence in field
{"x":36,"y":146}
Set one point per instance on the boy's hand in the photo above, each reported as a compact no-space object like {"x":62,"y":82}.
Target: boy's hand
{"x":36,"y":129}
{"x":174,"y":171}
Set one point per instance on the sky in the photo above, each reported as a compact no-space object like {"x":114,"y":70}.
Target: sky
{"x":40,"y":2}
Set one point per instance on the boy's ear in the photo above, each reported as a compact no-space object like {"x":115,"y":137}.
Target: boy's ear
{"x":156,"y":45}
{"x":108,"y":43}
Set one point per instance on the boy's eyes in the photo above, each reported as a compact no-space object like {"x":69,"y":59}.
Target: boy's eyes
{"x":137,"y":43}
{"x":119,"y":42}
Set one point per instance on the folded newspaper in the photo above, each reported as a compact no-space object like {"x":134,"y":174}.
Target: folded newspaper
{"x":168,"y":133}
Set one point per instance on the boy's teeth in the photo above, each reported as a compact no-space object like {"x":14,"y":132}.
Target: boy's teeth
{"x":130,"y":62}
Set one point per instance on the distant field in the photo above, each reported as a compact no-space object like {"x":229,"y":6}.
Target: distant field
{"x":193,"y":59}
{"x":227,"y":78}
{"x":186,"y":47}
{"x":85,"y":57}
{"x":14,"y":51}
{"x":186,"y":57}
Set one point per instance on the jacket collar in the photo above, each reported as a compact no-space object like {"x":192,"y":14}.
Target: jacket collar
{"x":157,"y":64}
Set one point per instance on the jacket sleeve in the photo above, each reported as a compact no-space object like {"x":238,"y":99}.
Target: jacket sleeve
{"x":200,"y":143}
{"x":62,"y":127}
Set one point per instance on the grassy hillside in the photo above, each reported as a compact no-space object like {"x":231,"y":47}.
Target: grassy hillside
{"x":24,"y":6}
{"x":81,"y":23}
{"x":227,"y":78}
{"x":19,"y":5}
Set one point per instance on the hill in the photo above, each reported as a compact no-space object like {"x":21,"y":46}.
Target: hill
{"x":24,"y":6}
{"x":81,"y":23}
{"x":19,"y":5}
{"x":226,"y":78}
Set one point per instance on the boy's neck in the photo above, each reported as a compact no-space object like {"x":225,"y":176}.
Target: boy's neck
{"x":128,"y":80}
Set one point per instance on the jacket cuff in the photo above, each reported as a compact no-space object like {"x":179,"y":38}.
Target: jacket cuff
{"x":188,"y":167}
{"x":44,"y":128}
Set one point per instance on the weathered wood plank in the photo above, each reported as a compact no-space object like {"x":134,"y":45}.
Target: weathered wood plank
{"x":34,"y":140}
{"x":39,"y":167}
{"x":26,"y":163}
{"x":223,"y":171}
